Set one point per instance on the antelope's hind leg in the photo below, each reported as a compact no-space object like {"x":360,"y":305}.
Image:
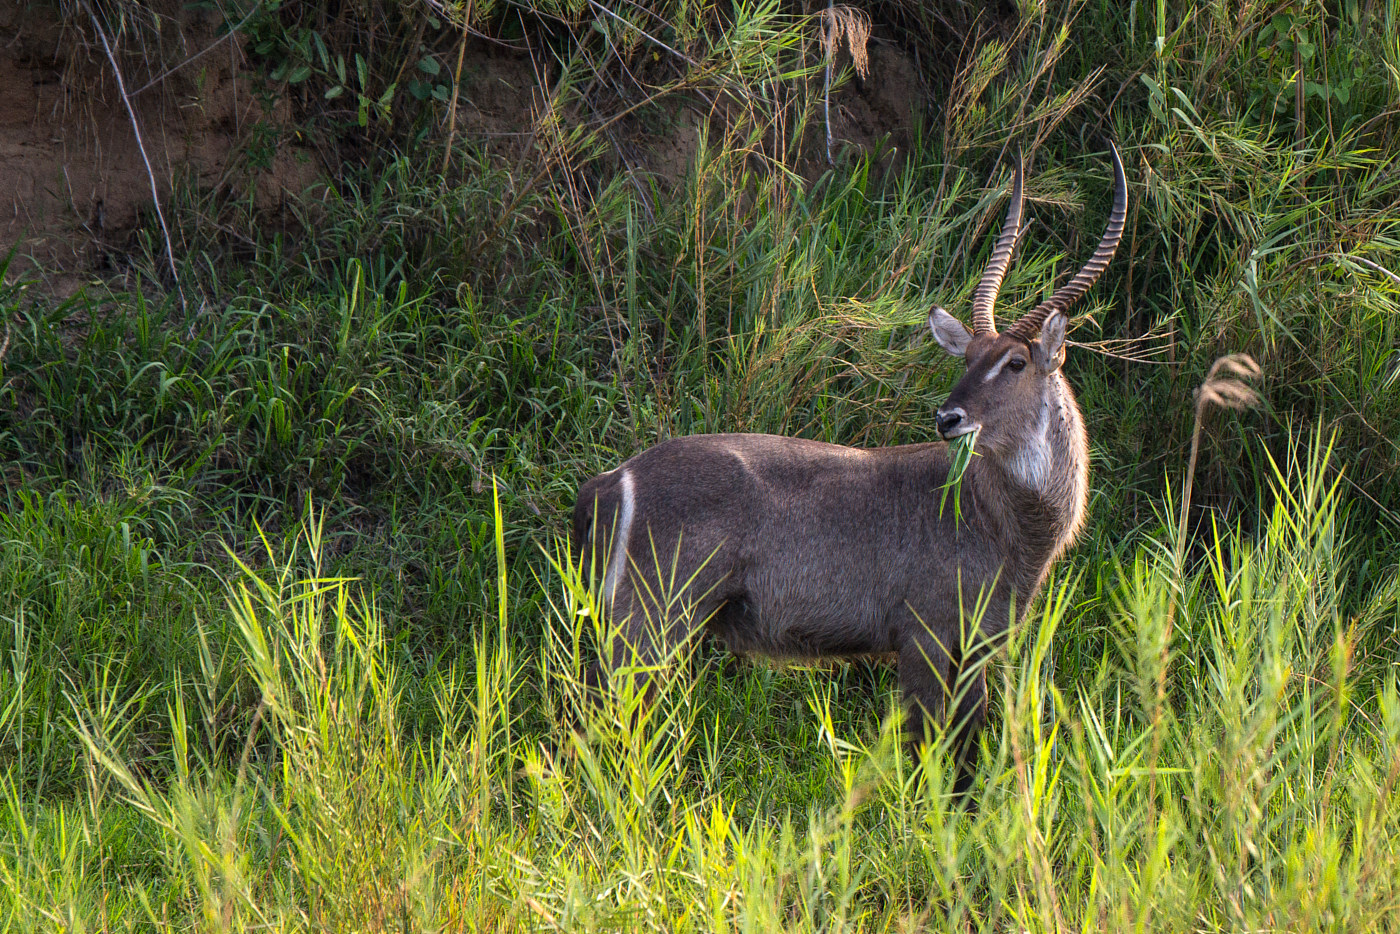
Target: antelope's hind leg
{"x":937,"y":674}
{"x":649,"y":617}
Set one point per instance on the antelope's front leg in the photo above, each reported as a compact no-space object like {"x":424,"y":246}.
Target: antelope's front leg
{"x":926,"y":669}
{"x":936,"y":668}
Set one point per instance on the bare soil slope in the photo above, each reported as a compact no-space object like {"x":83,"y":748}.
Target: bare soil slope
{"x":73,"y":180}
{"x":74,"y":185}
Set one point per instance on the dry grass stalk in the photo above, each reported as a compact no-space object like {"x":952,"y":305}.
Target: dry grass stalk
{"x":1225,"y":388}
{"x":1150,"y":347}
{"x":854,"y":25}
{"x":456,"y":90}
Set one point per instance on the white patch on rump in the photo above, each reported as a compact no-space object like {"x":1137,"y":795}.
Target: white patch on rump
{"x":617,"y":561}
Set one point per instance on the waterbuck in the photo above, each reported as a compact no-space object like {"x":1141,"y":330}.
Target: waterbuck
{"x":795,"y":548}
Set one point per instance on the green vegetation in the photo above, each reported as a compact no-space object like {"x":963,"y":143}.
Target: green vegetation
{"x":287,"y":635}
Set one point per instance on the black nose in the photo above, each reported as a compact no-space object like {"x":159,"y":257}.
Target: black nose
{"x":948,"y":420}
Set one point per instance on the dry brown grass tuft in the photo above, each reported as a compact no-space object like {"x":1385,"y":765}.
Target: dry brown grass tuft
{"x":853,"y":25}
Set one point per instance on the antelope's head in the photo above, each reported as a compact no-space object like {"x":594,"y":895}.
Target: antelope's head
{"x":1010,"y":375}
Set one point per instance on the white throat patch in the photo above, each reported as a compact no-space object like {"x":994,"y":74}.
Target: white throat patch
{"x":1032,"y":465}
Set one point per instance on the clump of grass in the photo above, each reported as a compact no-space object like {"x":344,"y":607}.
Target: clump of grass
{"x":961,"y":450}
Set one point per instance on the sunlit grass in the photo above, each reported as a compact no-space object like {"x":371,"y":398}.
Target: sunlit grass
{"x":1237,"y":798}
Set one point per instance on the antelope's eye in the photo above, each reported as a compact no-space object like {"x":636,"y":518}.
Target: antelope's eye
{"x":1016,"y":364}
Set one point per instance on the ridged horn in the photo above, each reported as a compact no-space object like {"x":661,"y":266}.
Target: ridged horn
{"x":985,"y":298}
{"x":1028,"y":326}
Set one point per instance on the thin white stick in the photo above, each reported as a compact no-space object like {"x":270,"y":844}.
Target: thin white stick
{"x":829,"y":41}
{"x":140,"y":144}
{"x":1377,"y":267}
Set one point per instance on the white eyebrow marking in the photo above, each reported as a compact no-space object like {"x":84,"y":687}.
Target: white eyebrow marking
{"x":996,"y":368}
{"x":618,"y":559}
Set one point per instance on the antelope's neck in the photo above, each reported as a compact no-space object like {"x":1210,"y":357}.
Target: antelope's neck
{"x":1040,"y":488}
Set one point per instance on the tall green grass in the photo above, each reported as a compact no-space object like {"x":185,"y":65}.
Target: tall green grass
{"x":1234,"y":772}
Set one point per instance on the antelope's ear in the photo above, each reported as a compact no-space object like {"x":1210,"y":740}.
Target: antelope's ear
{"x":1049,"y":349}
{"x":952,"y":335}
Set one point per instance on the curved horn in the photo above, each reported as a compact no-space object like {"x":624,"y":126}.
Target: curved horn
{"x":1029,"y":324}
{"x":985,"y":298}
